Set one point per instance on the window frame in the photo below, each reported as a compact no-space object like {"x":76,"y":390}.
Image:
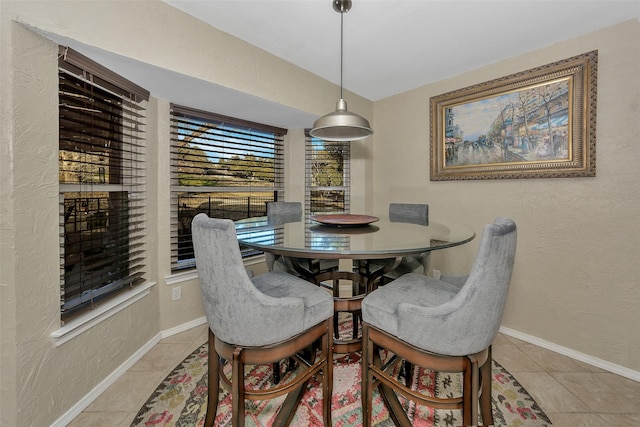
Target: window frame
{"x":311,"y":203}
{"x":102,"y":214}
{"x":214,"y":128}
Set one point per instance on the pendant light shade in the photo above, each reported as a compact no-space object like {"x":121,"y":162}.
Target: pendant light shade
{"x":341,"y":125}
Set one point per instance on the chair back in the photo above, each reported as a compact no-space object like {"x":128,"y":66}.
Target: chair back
{"x":283,"y":212}
{"x":412,"y":213}
{"x":469,"y":322}
{"x":279,"y":213}
{"x":237,"y":312}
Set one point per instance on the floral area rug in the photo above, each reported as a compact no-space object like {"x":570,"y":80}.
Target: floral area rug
{"x":181,"y":398}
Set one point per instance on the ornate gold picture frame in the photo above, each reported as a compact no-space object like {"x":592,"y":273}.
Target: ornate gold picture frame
{"x":539,"y":123}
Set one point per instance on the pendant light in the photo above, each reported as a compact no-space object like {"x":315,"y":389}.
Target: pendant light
{"x":341,"y":125}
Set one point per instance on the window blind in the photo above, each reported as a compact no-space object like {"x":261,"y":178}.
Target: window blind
{"x":222,"y":166}
{"x":327,"y":181}
{"x":327,"y":170}
{"x":101,"y":172}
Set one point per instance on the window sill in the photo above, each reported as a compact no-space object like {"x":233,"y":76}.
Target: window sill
{"x":183,"y":276}
{"x":192,"y":274}
{"x":85,"y":322}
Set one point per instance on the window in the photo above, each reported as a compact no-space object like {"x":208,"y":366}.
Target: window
{"x":327,"y":176}
{"x":327,"y":170}
{"x":222,"y":166}
{"x":101,"y":171}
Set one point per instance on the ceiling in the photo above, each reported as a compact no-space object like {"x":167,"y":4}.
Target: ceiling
{"x":390,"y":46}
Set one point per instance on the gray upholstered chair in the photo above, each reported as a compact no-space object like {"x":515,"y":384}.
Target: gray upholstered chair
{"x":281,"y":213}
{"x":259,"y":321}
{"x":441,"y":326}
{"x":413,"y":213}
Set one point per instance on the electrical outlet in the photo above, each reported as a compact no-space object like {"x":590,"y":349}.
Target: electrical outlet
{"x":176,"y":293}
{"x":436,"y":274}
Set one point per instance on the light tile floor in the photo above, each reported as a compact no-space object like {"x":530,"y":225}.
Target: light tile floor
{"x":571,"y":393}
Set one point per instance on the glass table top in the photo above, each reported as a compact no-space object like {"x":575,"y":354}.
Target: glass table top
{"x":379,"y":239}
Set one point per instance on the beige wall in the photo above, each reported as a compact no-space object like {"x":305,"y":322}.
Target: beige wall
{"x":577,"y":276}
{"x":44,"y":380}
{"x":574,"y":284}
{"x":39,"y":382}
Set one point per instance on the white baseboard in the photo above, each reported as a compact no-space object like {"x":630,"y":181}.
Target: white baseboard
{"x":76,"y":409}
{"x":82,"y":404}
{"x":593,"y":361}
{"x":107,"y":382}
{"x":184,"y":327}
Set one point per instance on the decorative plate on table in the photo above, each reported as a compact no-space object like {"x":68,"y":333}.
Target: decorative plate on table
{"x":345,"y":220}
{"x":342,"y":230}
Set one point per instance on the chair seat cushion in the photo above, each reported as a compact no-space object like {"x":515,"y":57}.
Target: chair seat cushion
{"x":318,"y":303}
{"x":380,"y":308}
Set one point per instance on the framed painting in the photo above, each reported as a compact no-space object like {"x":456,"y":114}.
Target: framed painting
{"x":539,"y":123}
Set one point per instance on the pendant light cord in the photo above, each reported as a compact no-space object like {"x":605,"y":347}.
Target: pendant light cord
{"x":341,"y":125}
{"x":341,"y":49}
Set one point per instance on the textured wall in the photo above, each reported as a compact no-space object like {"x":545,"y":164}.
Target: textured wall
{"x":577,"y":269}
{"x":41,"y":369}
{"x":577,"y":277}
{"x":39,"y":381}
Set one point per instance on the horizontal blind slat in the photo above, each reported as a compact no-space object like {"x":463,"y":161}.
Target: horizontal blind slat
{"x":222,"y":166}
{"x":102,"y":149}
{"x":327,"y":176}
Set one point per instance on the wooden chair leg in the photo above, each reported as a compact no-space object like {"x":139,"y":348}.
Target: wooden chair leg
{"x":475,"y":389}
{"x":486,"y":410}
{"x":467,"y":386}
{"x":237,"y":389}
{"x":365,"y":392}
{"x":371,"y":357}
{"x":356,"y":316}
{"x":407,"y":372}
{"x":277,"y":368}
{"x":213,"y":378}
{"x":327,"y":380}
{"x":476,"y":370}
{"x":276,"y":372}
{"x":288,"y":409}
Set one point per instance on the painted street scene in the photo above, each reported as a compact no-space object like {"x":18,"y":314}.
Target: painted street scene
{"x":523,"y":126}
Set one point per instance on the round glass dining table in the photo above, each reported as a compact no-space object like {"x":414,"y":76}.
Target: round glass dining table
{"x":373,"y":247}
{"x":379,"y":239}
